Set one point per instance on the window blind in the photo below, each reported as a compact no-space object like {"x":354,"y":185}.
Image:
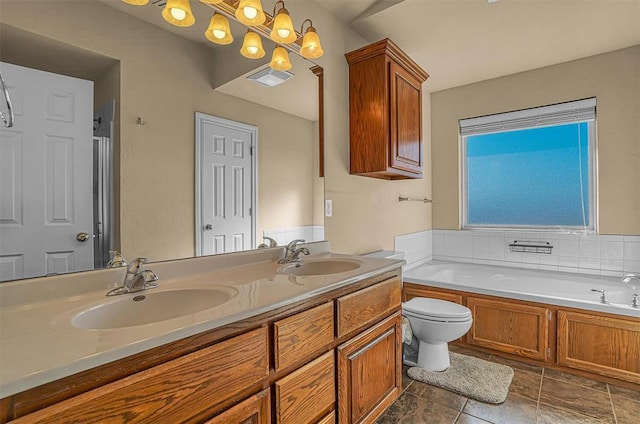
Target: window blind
{"x":561,"y":113}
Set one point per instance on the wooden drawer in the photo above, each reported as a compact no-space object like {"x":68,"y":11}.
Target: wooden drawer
{"x":298,"y":337}
{"x":368,"y":305}
{"x":176,"y":391}
{"x":308,"y":394}
{"x":510,"y":327}
{"x":604,"y":345}
{"x":329,"y":419}
{"x":255,"y":410}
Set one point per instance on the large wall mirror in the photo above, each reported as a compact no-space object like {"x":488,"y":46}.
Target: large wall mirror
{"x":148,"y":81}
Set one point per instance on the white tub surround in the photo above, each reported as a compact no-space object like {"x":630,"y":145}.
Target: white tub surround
{"x":555,"y":288}
{"x":41,"y":345}
{"x":605,"y":255}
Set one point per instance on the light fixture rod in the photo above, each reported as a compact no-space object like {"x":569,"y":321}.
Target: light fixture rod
{"x":228,"y":8}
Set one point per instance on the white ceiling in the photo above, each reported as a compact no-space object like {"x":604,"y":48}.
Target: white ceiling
{"x":464,"y":41}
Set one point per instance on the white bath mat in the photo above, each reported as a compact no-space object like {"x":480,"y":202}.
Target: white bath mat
{"x":470,"y":377}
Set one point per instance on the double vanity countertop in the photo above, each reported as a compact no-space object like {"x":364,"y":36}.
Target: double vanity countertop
{"x":39,"y":343}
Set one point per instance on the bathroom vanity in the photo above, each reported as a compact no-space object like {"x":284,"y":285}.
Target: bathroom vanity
{"x":286,"y":348}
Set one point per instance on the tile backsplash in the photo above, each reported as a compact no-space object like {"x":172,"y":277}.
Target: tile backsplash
{"x":284,"y":235}
{"x":606,"y":255}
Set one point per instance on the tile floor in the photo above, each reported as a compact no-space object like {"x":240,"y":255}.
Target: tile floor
{"x":536,"y":395}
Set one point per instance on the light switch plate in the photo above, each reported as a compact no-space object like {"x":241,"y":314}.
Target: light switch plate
{"x":328,"y":207}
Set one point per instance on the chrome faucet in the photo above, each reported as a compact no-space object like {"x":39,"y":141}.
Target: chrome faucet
{"x":635,"y":302}
{"x":627,"y":278}
{"x":272,"y":243}
{"x":292,"y":254}
{"x":136,"y":279}
{"x":603,"y":295}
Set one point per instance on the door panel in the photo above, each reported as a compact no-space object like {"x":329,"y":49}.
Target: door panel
{"x":47,"y":175}
{"x":226,"y":185}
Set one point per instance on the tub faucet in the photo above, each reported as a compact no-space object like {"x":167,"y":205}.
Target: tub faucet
{"x":627,"y":278}
{"x":136,"y":279}
{"x":271,"y":243}
{"x":292,"y":254}
{"x":603,"y":295}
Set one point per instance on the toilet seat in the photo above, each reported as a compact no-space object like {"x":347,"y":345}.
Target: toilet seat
{"x":436,"y":310}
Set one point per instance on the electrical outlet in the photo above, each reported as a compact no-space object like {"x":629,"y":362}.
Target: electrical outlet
{"x":328,"y":207}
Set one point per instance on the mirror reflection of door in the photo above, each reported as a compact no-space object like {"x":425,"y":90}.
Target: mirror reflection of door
{"x":46,"y":212}
{"x":225,"y":185}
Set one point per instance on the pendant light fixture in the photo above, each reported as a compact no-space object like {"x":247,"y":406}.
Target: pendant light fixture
{"x":136,"y":2}
{"x":280,"y":59}
{"x":178,"y":13}
{"x":311,"y":47}
{"x":249,"y":12}
{"x":282,"y":31}
{"x":218,"y":30}
{"x":252,"y":46}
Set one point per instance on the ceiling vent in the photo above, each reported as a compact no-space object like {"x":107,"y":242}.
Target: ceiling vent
{"x":269,"y":77}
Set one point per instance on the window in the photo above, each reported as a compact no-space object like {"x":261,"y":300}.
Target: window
{"x":532,"y":168}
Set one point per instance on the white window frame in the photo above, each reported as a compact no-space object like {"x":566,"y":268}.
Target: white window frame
{"x":545,"y":116}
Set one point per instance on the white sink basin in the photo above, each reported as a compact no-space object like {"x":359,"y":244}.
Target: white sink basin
{"x":308,"y":267}
{"x":147,"y":307}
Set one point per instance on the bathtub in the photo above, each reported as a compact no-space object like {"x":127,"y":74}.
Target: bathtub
{"x":555,"y":288}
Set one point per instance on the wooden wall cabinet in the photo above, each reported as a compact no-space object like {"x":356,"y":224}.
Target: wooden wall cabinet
{"x":605,"y":345}
{"x":385,"y":112}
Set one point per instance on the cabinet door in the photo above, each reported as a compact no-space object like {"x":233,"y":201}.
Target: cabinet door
{"x":510,"y":327}
{"x":406,"y":120}
{"x":604,"y":345}
{"x":370,"y":372}
{"x":255,"y":410}
{"x":307,"y":394}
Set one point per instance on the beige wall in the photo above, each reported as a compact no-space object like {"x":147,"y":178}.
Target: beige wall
{"x":614,"y":78}
{"x":165,"y":79}
{"x":366,"y":212}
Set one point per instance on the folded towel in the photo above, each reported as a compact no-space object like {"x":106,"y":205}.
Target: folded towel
{"x":407,"y":334}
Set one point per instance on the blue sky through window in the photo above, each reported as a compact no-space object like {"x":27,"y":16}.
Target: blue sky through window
{"x":529,"y":177}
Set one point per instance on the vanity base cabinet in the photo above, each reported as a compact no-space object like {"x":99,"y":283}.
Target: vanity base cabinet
{"x":333,"y":357}
{"x":605,"y":345}
{"x":370,"y":372}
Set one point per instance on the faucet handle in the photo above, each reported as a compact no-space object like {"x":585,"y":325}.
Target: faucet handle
{"x":603,"y":294}
{"x":635,"y":302}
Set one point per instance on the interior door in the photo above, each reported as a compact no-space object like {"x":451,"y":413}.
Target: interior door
{"x":46,"y":175}
{"x":225,"y":185}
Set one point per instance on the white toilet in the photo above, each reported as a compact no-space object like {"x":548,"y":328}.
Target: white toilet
{"x":434,"y":324}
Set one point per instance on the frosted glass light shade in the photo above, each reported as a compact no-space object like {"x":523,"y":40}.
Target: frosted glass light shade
{"x":218,"y":30}
{"x":311,"y":47}
{"x":136,"y":2}
{"x":280,"y":59}
{"x":178,"y":13}
{"x":252,"y":46}
{"x":249,"y":12}
{"x":283,"y":31}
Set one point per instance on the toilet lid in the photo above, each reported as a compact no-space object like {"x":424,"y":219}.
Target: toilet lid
{"x":436,"y":308}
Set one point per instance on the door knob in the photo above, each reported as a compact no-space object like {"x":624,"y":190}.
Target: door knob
{"x":82,"y":237}
{"x":208,"y":227}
